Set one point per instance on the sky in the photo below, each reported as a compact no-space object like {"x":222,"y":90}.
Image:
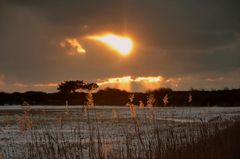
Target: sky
{"x":180,"y":44}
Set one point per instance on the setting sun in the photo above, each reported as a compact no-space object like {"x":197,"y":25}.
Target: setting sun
{"x":121,"y":44}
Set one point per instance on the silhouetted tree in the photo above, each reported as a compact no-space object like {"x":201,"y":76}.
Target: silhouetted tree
{"x":68,"y":87}
{"x":90,"y":86}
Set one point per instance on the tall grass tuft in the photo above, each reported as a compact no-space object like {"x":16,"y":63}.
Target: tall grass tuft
{"x":89,"y":97}
{"x":132,"y":138}
{"x":24,"y":120}
{"x":132,"y":106}
{"x":150,"y":103}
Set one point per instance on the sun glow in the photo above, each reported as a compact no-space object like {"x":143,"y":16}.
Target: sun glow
{"x":149,"y":79}
{"x":118,"y":82}
{"x":127,"y":82}
{"x":121,"y":44}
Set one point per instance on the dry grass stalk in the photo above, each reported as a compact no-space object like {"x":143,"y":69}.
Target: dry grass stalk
{"x":66,"y":111}
{"x":141,"y":104}
{"x":60,"y":120}
{"x":89,"y":97}
{"x":131,"y":97}
{"x":84,"y":110}
{"x":6,"y":120}
{"x":131,"y":106}
{"x":115,"y":115}
{"x":24,"y":121}
{"x":150,"y":101}
{"x":173,"y":143}
{"x":165,"y":100}
{"x":1,"y":155}
{"x":26,"y":107}
{"x":43,"y":112}
{"x":133,"y":111}
{"x":106,"y":149}
{"x":190,"y":98}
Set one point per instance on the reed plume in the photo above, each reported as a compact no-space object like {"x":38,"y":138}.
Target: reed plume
{"x":24,"y":121}
{"x":190,"y":98}
{"x":141,"y":104}
{"x":150,"y":101}
{"x":165,"y":100}
{"x":131,"y":106}
{"x":89,"y":97}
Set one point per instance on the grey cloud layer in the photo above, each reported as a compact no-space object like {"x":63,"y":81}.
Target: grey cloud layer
{"x":169,"y":24}
{"x":175,"y":38}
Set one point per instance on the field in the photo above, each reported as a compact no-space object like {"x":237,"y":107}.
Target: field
{"x":109,"y":131}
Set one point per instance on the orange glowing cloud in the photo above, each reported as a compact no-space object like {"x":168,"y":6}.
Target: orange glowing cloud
{"x":38,"y":85}
{"x":127,"y":82}
{"x":150,"y":82}
{"x":45,"y":85}
{"x":122,"y":44}
{"x":74,"y":45}
{"x":149,"y":79}
{"x":123,"y":83}
{"x":21,"y":85}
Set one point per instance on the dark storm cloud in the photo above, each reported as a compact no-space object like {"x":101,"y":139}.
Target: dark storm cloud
{"x":174,"y":38}
{"x":169,"y":24}
{"x":74,"y":13}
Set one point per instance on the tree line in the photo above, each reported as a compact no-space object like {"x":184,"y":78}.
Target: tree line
{"x":75,"y":93}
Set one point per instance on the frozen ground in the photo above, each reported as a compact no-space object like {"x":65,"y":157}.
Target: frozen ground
{"x":103,"y":115}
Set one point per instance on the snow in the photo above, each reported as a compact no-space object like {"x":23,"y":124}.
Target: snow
{"x":173,"y":116}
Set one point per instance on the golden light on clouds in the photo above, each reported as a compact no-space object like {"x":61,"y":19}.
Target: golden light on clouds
{"x":121,"y":44}
{"x":150,"y":82}
{"x":39,"y":85}
{"x":123,"y":83}
{"x":45,"y":85}
{"x":127,"y":82}
{"x":74,"y":46}
{"x":149,"y":79}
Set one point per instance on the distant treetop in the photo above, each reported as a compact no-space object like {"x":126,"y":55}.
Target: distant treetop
{"x":68,"y":87}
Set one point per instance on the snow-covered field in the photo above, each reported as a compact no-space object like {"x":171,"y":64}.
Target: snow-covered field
{"x":112,"y":121}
